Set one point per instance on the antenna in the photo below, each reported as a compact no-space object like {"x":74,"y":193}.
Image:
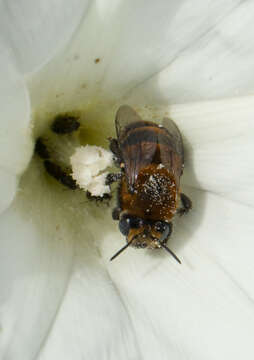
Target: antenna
{"x":121,"y":250}
{"x":171,"y":252}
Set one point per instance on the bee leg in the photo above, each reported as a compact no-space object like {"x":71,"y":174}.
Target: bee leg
{"x":114,"y":148}
{"x":113,"y":177}
{"x":186,"y":204}
{"x":116,"y":213}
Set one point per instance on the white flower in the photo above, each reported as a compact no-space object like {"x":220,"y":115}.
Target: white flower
{"x":60,"y":296}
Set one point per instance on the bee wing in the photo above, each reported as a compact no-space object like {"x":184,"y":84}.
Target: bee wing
{"x":172,"y":153}
{"x":137,"y":156}
{"x":138,"y":146}
{"x":175,"y":136}
{"x":125,"y":118}
{"x":137,"y":150}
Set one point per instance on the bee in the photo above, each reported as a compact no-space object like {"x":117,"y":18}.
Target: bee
{"x":60,"y":175}
{"x":151,"y":158}
{"x":65,"y":124}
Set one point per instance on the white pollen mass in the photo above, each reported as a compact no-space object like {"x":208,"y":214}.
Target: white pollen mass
{"x":88,"y":168}
{"x":160,"y":166}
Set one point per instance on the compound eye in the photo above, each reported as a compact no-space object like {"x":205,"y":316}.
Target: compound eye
{"x":129,"y":222}
{"x":124,"y":225}
{"x":135,"y":222}
{"x":165,"y":229}
{"x":160,"y":226}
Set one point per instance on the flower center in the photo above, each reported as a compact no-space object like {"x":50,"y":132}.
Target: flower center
{"x":68,"y":159}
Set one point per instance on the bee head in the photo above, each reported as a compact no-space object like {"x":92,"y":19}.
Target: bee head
{"x":144,"y":234}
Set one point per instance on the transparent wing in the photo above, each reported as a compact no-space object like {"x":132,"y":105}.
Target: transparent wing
{"x":144,"y":142}
{"x":126,"y":119}
{"x":172,"y":151}
{"x":136,"y":144}
{"x":174,"y":136}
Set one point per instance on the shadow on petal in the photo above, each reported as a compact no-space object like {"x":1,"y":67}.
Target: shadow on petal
{"x":182,"y":233}
{"x":52,"y":279}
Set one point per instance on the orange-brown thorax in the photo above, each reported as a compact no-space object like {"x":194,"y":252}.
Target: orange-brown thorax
{"x":155,"y":195}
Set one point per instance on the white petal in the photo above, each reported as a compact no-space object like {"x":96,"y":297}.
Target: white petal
{"x":8,"y":186}
{"x":15,"y":131}
{"x":57,"y":300}
{"x":208,"y":54}
{"x":35,"y":30}
{"x":219,"y":141}
{"x":132,"y":41}
{"x":202,"y":309}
